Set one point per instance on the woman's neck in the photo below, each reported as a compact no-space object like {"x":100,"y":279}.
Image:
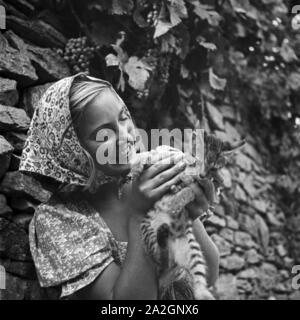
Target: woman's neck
{"x":105,"y":196}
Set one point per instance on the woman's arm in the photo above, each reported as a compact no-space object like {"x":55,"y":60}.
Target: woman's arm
{"x":210,"y":251}
{"x":136,"y":280}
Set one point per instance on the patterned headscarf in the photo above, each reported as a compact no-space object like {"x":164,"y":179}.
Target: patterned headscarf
{"x":52,"y":148}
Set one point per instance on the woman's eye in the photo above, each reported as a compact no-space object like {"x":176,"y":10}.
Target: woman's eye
{"x":124,"y":117}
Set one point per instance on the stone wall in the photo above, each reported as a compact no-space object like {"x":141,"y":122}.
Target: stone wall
{"x":258,"y":246}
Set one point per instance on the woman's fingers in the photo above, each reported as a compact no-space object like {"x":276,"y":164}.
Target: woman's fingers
{"x":168,"y":174}
{"x":158,"y":192}
{"x":160,"y":166}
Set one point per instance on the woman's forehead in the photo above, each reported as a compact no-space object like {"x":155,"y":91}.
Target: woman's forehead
{"x":104,"y":107}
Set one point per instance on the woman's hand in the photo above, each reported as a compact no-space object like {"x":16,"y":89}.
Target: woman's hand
{"x":155,"y":181}
{"x":205,"y":196}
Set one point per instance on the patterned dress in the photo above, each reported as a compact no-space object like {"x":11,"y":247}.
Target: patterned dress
{"x":71,"y":245}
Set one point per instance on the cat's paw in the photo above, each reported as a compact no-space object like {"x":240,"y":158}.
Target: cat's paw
{"x":162,"y":235}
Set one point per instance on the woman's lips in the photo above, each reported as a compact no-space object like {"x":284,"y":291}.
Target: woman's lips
{"x":124,"y":155}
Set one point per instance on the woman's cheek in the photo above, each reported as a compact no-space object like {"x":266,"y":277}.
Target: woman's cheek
{"x":105,"y":152}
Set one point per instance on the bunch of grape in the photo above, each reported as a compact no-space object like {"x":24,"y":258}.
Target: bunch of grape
{"x":78,"y":54}
{"x":163,"y":69}
{"x":142,"y":94}
{"x":152,"y":15}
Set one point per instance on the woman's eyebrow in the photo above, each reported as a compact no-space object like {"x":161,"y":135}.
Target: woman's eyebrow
{"x":108,"y":124}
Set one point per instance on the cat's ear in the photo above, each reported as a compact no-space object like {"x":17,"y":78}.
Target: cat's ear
{"x":230,"y":147}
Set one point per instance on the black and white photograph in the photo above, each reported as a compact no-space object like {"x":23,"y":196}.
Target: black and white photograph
{"x":149,"y":150}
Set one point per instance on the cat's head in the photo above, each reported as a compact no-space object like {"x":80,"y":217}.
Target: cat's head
{"x":216,"y":155}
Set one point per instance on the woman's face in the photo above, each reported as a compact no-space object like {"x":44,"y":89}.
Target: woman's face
{"x":107,"y":132}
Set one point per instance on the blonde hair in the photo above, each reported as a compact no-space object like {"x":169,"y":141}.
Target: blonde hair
{"x":83,"y":91}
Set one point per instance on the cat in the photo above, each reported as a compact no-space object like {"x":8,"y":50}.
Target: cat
{"x":167,"y":229}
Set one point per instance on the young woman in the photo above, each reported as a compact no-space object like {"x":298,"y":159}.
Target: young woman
{"x":85,"y":241}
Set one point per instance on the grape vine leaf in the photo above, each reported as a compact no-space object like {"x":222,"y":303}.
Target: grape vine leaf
{"x":112,"y":60}
{"x":294,"y":81}
{"x":138,"y":17}
{"x":118,"y":60}
{"x":166,"y":20}
{"x":245,"y":8}
{"x":207,"y":45}
{"x":216,"y":82}
{"x":287,"y":52}
{"x":177,"y":10}
{"x":206,"y":12}
{"x":162,"y":27}
{"x":138,"y":72}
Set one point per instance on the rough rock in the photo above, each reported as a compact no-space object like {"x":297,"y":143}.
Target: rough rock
{"x":14,"y":243}
{"x":227,"y":234}
{"x":252,"y":153}
{"x":227,"y":287}
{"x":248,"y":274}
{"x":252,"y":256}
{"x":31,"y":97}
{"x":223,"y":246}
{"x":14,"y":163}
{"x":8,"y":92}
{"x":15,"y":64}
{"x":216,"y":221}
{"x":215,"y":117}
{"x":219,"y":210}
{"x":6,"y":150}
{"x":22,"y":205}
{"x":17,"y":140}
{"x":231,"y":132}
{"x":13,"y":119}
{"x":16,"y":183}
{"x":36,"y":31}
{"x":3,"y":224}
{"x":244,"y":162}
{"x":248,"y":224}
{"x":232,"y":224}
{"x":226,"y":175}
{"x":15,"y":288}
{"x":48,"y":64}
{"x":4,"y":208}
{"x":232,"y":263}
{"x":19,"y":268}
{"x":229,"y":113}
{"x":249,"y":186}
{"x":263,"y":231}
{"x":243,"y":239}
{"x":23,"y":220}
{"x":282,"y":252}
{"x":268,"y":276}
{"x":260,"y":205}
{"x":240,"y":194}
{"x":244,"y":286}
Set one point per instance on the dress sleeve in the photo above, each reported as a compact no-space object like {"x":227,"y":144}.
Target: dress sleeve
{"x":69,"y":248}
